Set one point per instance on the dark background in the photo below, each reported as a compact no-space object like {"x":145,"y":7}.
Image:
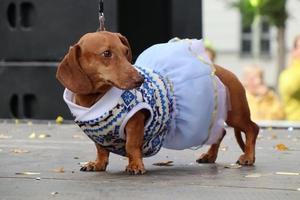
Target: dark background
{"x":35,"y":35}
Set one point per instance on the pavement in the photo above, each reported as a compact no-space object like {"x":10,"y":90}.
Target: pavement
{"x":41,"y":160}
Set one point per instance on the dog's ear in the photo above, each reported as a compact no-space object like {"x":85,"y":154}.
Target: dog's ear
{"x":71,"y":75}
{"x":125,"y":42}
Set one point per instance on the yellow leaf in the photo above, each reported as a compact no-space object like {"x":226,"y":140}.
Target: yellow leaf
{"x":281,"y":147}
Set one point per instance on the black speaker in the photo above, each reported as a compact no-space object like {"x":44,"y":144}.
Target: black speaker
{"x":35,"y":30}
{"x":145,"y":23}
{"x":30,"y":90}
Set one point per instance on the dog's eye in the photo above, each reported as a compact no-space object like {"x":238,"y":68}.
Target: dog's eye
{"x":107,"y":54}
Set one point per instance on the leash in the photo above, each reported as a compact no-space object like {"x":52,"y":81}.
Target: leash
{"x":101,"y":16}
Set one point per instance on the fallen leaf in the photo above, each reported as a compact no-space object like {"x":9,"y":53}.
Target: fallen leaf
{"x":2,"y":136}
{"x":42,"y":136}
{"x":59,"y":120}
{"x":19,"y":151}
{"x":27,"y":173}
{"x":166,"y":163}
{"x":32,"y":135}
{"x":59,"y":170}
{"x":281,"y":147}
{"x":255,"y":175}
{"x":233,"y":166}
{"x":288,"y":173}
{"x":54,"y":193}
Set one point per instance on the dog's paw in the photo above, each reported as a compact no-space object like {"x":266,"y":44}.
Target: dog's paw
{"x":135,"y":168}
{"x":246,"y":160}
{"x":94,"y":166}
{"x":206,"y":158}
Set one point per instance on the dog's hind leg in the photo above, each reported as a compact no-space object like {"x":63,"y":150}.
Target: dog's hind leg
{"x":211,"y":155}
{"x":100,"y":163}
{"x":251,"y":131}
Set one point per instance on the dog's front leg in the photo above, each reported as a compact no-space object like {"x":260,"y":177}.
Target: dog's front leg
{"x":100,"y":163}
{"x":134,"y":140}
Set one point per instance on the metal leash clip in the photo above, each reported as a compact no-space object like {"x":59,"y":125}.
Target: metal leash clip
{"x":101,"y":16}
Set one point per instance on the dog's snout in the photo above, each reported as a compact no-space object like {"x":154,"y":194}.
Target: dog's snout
{"x":139,"y":81}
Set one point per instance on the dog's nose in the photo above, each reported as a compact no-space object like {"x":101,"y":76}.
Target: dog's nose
{"x":139,"y":81}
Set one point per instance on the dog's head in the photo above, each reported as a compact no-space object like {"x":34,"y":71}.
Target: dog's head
{"x":98,"y":59}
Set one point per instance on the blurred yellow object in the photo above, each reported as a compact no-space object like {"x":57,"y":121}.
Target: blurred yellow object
{"x":289,"y":88}
{"x":266,"y":107}
{"x":281,"y":147}
{"x":59,"y":120}
{"x":32,"y":136}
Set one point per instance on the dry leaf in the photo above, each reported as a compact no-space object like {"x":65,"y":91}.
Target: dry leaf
{"x":288,"y":173}
{"x":2,"y":136}
{"x":281,"y":147}
{"x":233,"y":166}
{"x":19,"y":151}
{"x":59,"y":170}
{"x":166,"y":163}
{"x":255,"y":175}
{"x":32,"y":135}
{"x":42,"y":136}
{"x":27,"y":173}
{"x":54,"y":193}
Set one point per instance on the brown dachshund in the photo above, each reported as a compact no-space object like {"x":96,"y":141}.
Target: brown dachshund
{"x":102,"y":60}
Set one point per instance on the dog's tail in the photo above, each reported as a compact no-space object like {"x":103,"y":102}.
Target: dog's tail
{"x":239,"y":139}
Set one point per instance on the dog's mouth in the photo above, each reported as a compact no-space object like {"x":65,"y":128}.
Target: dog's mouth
{"x":129,"y":86}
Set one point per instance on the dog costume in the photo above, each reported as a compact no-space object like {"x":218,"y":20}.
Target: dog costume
{"x":186,"y":101}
